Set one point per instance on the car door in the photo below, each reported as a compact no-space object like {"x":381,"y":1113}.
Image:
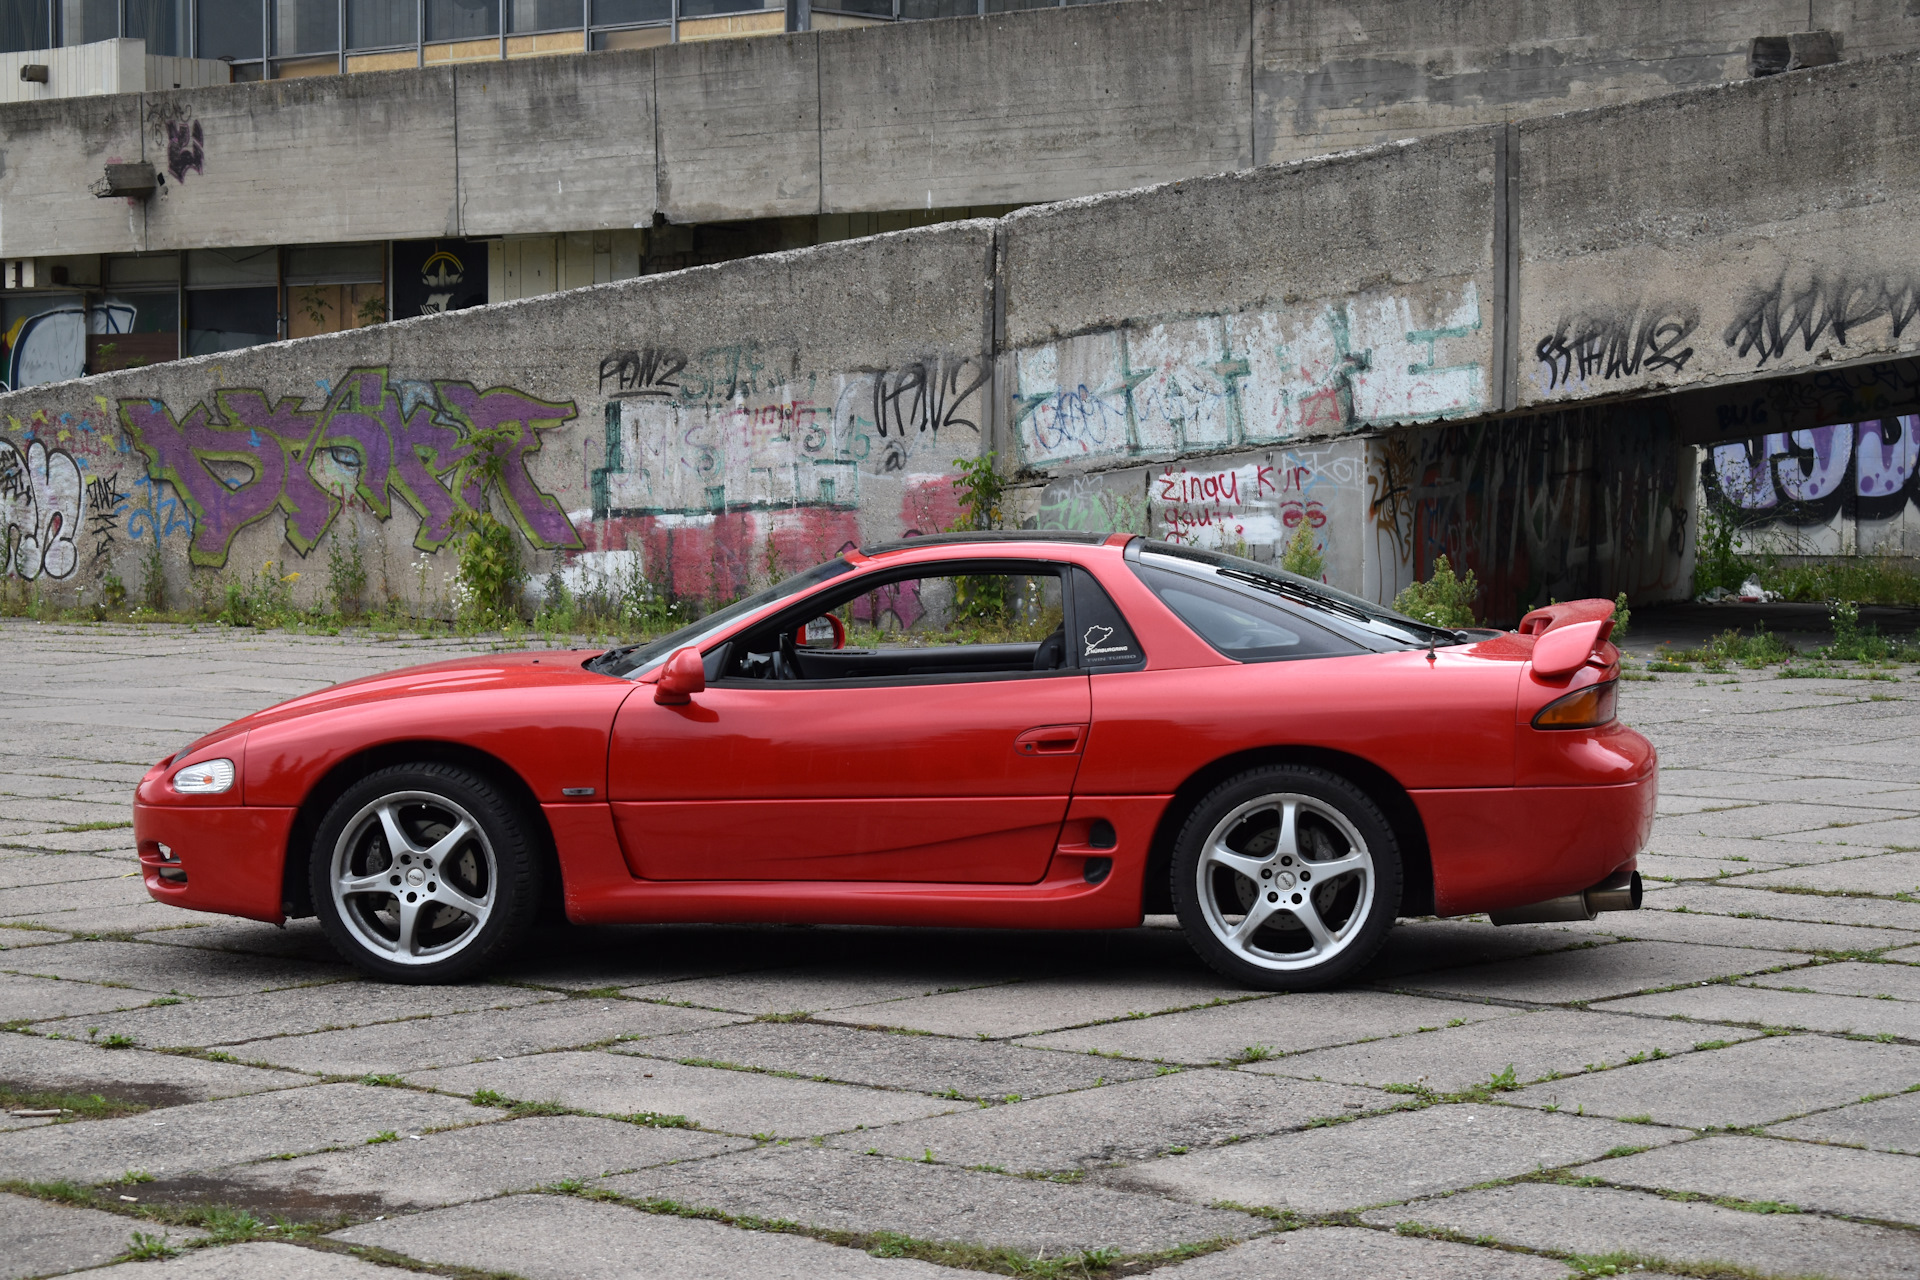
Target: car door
{"x":957,"y":769}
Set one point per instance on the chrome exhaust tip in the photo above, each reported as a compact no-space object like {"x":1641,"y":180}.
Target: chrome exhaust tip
{"x":1618,"y":892}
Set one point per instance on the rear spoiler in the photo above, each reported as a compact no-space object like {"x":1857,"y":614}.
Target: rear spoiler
{"x":1566,"y":635}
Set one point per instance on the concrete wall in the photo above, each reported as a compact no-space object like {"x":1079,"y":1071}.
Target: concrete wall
{"x":1350,"y":343}
{"x":1008,"y":109}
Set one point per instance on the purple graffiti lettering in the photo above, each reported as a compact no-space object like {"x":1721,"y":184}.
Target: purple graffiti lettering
{"x":1832,"y":449}
{"x":253,"y":458}
{"x":186,"y":149}
{"x":1747,"y":479}
{"x":1886,"y":465}
{"x":519,"y":419}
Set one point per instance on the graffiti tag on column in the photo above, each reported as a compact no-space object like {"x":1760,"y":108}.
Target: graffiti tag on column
{"x":186,"y":149}
{"x":247,"y":457}
{"x":104,"y":503}
{"x":40,"y":501}
{"x":649,"y":371}
{"x":926,"y":395}
{"x":1617,"y":343}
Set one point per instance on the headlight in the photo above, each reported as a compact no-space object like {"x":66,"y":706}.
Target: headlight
{"x":207,"y":778}
{"x":1582,"y":709}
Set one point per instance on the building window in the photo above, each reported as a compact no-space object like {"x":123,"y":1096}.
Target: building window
{"x":162,"y":24}
{"x":382,"y":24}
{"x":305,"y":26}
{"x":230,"y":30}
{"x":335,"y":287}
{"x":25,"y":25}
{"x":233,"y":299}
{"x":462,"y":19}
{"x":543,"y":15}
{"x":85,"y":21}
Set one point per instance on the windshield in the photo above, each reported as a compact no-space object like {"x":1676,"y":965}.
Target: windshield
{"x":638,"y":659}
{"x":1374,"y":618}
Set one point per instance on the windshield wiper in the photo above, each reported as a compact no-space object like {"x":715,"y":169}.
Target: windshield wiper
{"x":611,"y":656}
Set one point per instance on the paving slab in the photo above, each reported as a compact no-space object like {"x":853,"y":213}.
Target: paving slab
{"x":1767,"y":1007}
{"x":1737,"y":898}
{"x":1044,"y":1004}
{"x":172,"y":970}
{"x":30,"y":999}
{"x":1787,"y":817}
{"x":1884,"y":1124}
{"x":436,"y":1169}
{"x":1602,"y":1220}
{"x":1621,"y":968}
{"x":562,"y":1238}
{"x":253,"y":1261}
{"x":447,"y":1039}
{"x":112,"y":839}
{"x":59,"y":868}
{"x":1748,"y":931}
{"x":233,"y":1020}
{"x":1882,"y":874}
{"x":1672,"y":844}
{"x":296,"y":940}
{"x":749,"y":1102}
{"x":133,"y":1075}
{"x":1756,"y":1082}
{"x":844,"y":1191}
{"x":1351,"y":1253}
{"x":1189,"y":1110}
{"x":204,"y":1136}
{"x":803,"y":989}
{"x":131,"y":918}
{"x":1660,"y":866}
{"x":1857,"y":834}
{"x":1740,"y":786}
{"x":1849,"y":978}
{"x":39,"y":1239}
{"x":1537,"y":1045}
{"x":13,"y":937}
{"x":1285,"y":1024}
{"x":1861,"y":1184}
{"x":1352,"y":1166}
{"x":939,"y":1065}
{"x":1420,"y":946}
{"x":74,"y":905}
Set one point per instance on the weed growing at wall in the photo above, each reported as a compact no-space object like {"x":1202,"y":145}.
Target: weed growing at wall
{"x":1715,"y":562}
{"x":981,"y":492}
{"x":1444,"y":599}
{"x":153,"y":578}
{"x":1622,"y":616}
{"x":1736,"y":648}
{"x":1879,"y":579}
{"x":1301,"y":556}
{"x":346,"y":576}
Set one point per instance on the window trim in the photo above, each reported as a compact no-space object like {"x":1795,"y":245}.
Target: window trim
{"x":1308,"y":625}
{"x":808,"y":607}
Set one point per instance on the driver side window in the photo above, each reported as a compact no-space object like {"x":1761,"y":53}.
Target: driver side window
{"x":961,"y":623}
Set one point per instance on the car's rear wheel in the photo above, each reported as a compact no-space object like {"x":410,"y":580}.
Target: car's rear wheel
{"x":424,"y":873}
{"x":1286,"y":878}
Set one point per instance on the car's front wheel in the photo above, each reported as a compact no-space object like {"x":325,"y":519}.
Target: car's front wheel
{"x":1286,"y":878}
{"x":424,"y":873}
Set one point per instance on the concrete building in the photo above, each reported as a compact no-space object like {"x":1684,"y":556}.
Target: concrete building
{"x":1475,"y":278}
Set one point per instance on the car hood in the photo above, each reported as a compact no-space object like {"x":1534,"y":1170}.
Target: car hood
{"x":546,"y":668}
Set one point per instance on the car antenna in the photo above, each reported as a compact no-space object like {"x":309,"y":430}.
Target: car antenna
{"x":1430,"y":644}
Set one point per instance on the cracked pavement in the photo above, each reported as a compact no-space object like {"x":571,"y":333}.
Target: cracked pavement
{"x":1721,"y":1080}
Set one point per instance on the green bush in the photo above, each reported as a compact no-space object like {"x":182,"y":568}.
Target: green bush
{"x":346,"y":576}
{"x":1761,"y":649}
{"x":1444,"y":599}
{"x":1876,"y":579}
{"x":1301,"y":556}
{"x":1715,"y":562}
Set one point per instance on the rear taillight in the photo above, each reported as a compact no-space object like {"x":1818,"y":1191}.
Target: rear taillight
{"x":1582,"y":709}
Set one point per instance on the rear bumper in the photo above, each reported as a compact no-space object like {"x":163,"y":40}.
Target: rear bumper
{"x":1508,"y":846}
{"x":232,"y":858}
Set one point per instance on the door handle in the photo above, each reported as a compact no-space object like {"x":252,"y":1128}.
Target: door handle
{"x":1051,"y":740}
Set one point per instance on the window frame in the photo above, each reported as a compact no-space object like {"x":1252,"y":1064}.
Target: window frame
{"x":719,"y":657}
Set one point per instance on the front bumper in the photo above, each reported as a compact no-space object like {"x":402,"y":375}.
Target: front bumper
{"x":227,"y":859}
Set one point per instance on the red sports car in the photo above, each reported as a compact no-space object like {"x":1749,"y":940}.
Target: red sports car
{"x":1029,"y":730}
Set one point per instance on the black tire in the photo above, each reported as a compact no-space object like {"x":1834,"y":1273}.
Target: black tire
{"x":1242,"y":820}
{"x":448,"y":904}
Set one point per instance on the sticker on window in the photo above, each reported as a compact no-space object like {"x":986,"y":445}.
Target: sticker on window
{"x":1105,"y":638}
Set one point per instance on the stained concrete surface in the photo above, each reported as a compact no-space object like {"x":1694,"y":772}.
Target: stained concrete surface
{"x":1766,"y":986}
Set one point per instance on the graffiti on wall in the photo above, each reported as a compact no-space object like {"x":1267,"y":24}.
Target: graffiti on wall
{"x":40,"y":503}
{"x":51,"y":345}
{"x":1557,"y":506}
{"x":723,"y":469}
{"x":1792,"y":314}
{"x":1807,"y":491}
{"x":1103,"y":502}
{"x":428,"y":446}
{"x":1223,"y":381}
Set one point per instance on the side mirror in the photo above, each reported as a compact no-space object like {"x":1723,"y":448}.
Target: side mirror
{"x":683,"y":676}
{"x":824,"y":632}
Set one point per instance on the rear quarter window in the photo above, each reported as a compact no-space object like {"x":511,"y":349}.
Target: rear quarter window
{"x":1239,"y":623}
